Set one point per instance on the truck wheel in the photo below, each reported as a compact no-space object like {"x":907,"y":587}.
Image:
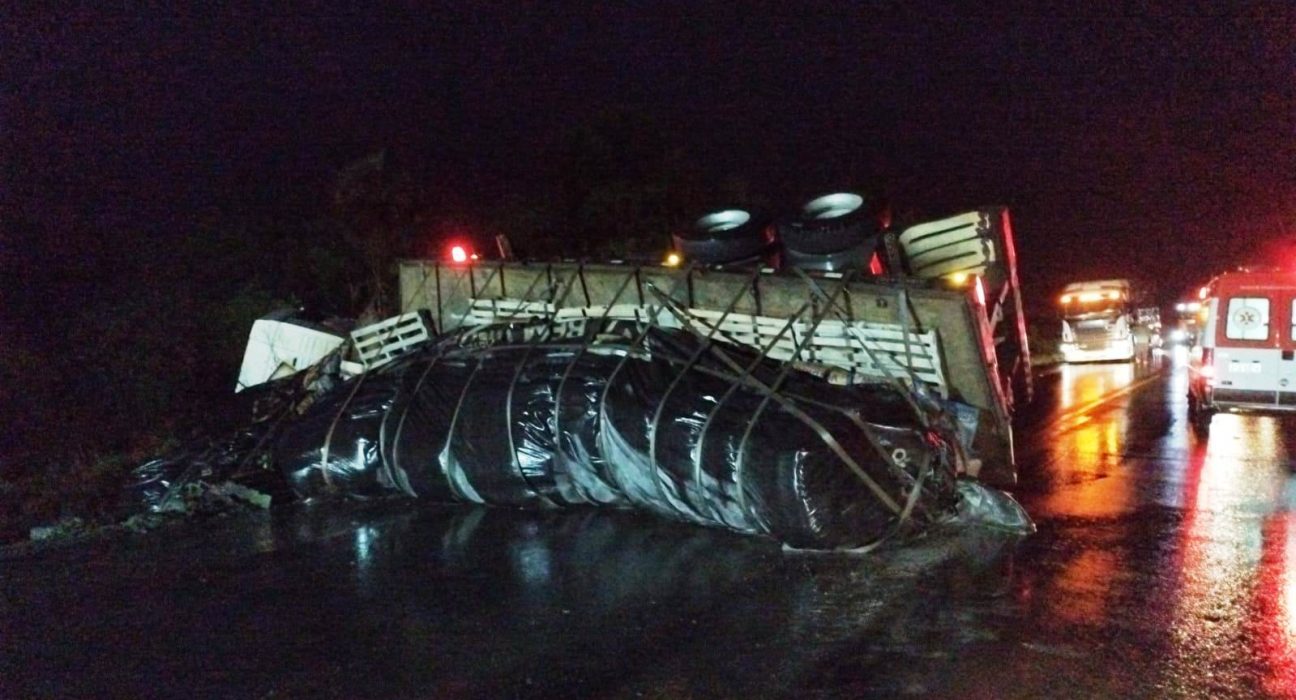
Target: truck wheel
{"x":830,"y":224}
{"x":1202,"y":422}
{"x":725,"y":236}
{"x":853,"y":258}
{"x":1198,"y":417}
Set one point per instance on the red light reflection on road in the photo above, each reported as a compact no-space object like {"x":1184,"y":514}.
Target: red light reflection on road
{"x":1237,"y":587}
{"x":1275,"y":605}
{"x":1226,"y":603}
{"x":1215,"y":562}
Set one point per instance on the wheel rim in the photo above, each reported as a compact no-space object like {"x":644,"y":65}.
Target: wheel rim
{"x":720,"y":221}
{"x":832,"y":206}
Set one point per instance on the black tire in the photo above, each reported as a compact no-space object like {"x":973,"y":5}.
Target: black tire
{"x":851,"y":259}
{"x":832,"y":223}
{"x":727,"y":235}
{"x":1199,"y":418}
{"x":1202,"y":422}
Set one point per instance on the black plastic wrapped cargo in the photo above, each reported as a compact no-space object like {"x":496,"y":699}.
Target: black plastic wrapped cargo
{"x":340,"y":434}
{"x":667,"y":421}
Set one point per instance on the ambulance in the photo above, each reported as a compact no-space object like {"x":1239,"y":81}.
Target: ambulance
{"x":1243,"y":361}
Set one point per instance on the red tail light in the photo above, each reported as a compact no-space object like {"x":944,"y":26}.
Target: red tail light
{"x":875,"y":265}
{"x":980,"y":291}
{"x":458,"y":254}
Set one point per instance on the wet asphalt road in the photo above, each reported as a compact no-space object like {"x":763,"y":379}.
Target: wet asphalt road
{"x":1164,"y":566}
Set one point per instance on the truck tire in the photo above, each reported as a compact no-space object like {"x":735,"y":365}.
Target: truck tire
{"x":725,"y":235}
{"x":830,"y":224}
{"x":856,"y":258}
{"x":1199,"y":418}
{"x":1202,"y":422}
{"x":940,"y":248}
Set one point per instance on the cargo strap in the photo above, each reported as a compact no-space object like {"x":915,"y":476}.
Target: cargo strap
{"x":771,"y":393}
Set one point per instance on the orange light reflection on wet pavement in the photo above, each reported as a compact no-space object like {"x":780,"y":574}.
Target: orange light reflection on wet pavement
{"x":1083,"y":384}
{"x":1232,"y":573}
{"x":1086,"y":453}
{"x":1086,"y":448}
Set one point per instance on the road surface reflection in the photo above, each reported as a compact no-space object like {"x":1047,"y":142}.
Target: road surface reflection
{"x":1085,"y":442}
{"x":1235,"y":575}
{"x":1182,"y":537}
{"x":1164,"y":566}
{"x":1274,"y":605}
{"x":577,"y":591}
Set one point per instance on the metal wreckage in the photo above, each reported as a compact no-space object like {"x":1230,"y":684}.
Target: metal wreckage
{"x":825,"y":380}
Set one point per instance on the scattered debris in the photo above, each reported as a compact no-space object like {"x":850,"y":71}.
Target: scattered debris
{"x":63,"y":529}
{"x":203,"y":497}
{"x":283,"y":343}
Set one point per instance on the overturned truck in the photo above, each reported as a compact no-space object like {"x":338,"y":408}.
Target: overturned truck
{"x":826,"y":405}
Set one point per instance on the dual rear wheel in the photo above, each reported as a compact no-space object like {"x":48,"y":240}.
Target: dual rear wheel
{"x":831,"y":232}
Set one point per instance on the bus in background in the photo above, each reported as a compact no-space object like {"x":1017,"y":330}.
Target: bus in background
{"x":1244,"y":361}
{"x":1097,"y":321}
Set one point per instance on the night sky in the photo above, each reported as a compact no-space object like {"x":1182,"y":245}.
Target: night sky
{"x":1155,"y":141}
